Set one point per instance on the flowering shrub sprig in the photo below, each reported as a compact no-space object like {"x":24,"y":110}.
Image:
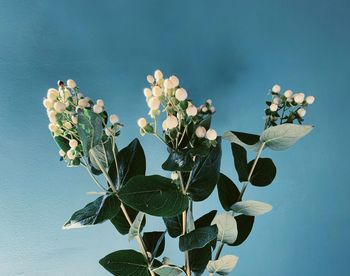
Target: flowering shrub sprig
{"x":86,"y":137}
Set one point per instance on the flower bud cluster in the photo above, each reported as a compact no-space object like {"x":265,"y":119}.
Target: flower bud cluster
{"x":286,"y":107}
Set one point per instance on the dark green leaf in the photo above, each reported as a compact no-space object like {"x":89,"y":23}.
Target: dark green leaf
{"x":205,"y":174}
{"x":104,"y":154}
{"x":264,"y":172}
{"x":247,"y":138}
{"x":228,"y":192}
{"x":125,"y":263}
{"x":103,"y":208}
{"x":174,"y":225}
{"x":244,"y":226}
{"x":240,"y":158}
{"x":199,"y":259}
{"x":63,"y":143}
{"x":178,"y":161}
{"x":154,"y":195}
{"x":205,"y":220}
{"x":155,"y":242}
{"x":206,"y":122}
{"x":198,"y":238}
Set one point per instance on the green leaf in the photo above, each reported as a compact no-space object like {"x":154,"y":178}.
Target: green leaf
{"x":104,"y":154}
{"x":178,"y":161}
{"x":246,"y":140}
{"x":125,"y":263}
{"x":155,"y":242}
{"x":228,"y":192}
{"x":103,"y":208}
{"x":131,"y":162}
{"x":198,"y":238}
{"x":264,"y":172}
{"x":240,"y":159}
{"x":63,"y":143}
{"x":174,"y":225}
{"x":227,"y":228}
{"x":244,"y":226}
{"x":168,"y":270}
{"x":251,"y":208}
{"x":223,"y":266}
{"x":282,"y":137}
{"x":136,"y":226}
{"x":205,"y":220}
{"x":199,"y":259}
{"x":205,"y":174}
{"x":154,"y":195}
{"x":121,"y":223}
{"x":90,"y":129}
{"x":206,"y":122}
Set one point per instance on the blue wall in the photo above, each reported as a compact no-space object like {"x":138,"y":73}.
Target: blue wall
{"x":230,"y":51}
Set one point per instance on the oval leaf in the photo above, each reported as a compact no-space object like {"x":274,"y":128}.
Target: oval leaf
{"x":155,"y":195}
{"x":264,"y":172}
{"x":227,"y":228}
{"x":251,"y":208}
{"x":205,"y":220}
{"x":155,"y":242}
{"x":244,"y":226}
{"x":168,"y":270}
{"x":240,"y":159}
{"x":282,"y":137}
{"x":198,"y":238}
{"x":223,"y":266}
{"x":174,"y":225}
{"x":136,"y":225}
{"x":246,"y":140}
{"x":199,"y":259}
{"x":228,"y":192}
{"x":178,"y":161}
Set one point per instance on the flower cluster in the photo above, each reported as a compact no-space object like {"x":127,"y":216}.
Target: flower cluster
{"x":63,"y":106}
{"x":185,"y":125}
{"x":286,"y":107}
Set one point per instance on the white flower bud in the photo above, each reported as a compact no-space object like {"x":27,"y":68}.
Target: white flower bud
{"x":175,"y":81}
{"x":53,"y":127}
{"x":71,"y":154}
{"x":83,"y":102}
{"x":174,"y":176}
{"x":288,"y":93}
{"x":150,"y":79}
{"x":142,"y":123}
{"x":74,"y":120}
{"x":299,"y":98}
{"x":97,"y":109}
{"x":100,"y":102}
{"x":59,"y":107}
{"x":147,"y":92}
{"x":171,"y":122}
{"x":310,"y":99}
{"x":61,"y":153}
{"x":64,"y":93}
{"x":52,"y":94}
{"x":204,"y":109}
{"x":71,"y":84}
{"x":47,"y":103}
{"x":273,"y":107}
{"x":157,"y":91}
{"x":113,"y":119}
{"x":67,"y":125}
{"x":212,"y":109}
{"x":211,"y":134}
{"x":181,"y":94}
{"x":276,"y":88}
{"x":191,"y":110}
{"x":158,"y":75}
{"x":153,"y":103}
{"x":73,"y":143}
{"x":209,"y":101}
{"x":168,"y":84}
{"x":52,"y":116}
{"x":276,"y":100}
{"x":201,"y":132}
{"x":301,"y":112}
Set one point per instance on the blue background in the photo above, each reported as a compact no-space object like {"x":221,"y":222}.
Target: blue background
{"x":230,"y":51}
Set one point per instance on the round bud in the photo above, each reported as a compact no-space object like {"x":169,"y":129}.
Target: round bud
{"x":97,"y":109}
{"x":47,"y":103}
{"x":191,"y":110}
{"x":73,"y":143}
{"x":209,"y":101}
{"x":301,"y":112}
{"x":212,"y":109}
{"x":60,"y":83}
{"x":200,"y":132}
{"x":61,"y":153}
{"x":174,"y":176}
{"x":204,"y":109}
{"x":171,"y":122}
{"x":53,"y":127}
{"x":71,"y":154}
{"x":74,"y":120}
{"x":71,"y":84}
{"x":142,"y":123}
{"x":181,"y":94}
{"x":168,"y":84}
{"x":276,"y":88}
{"x":158,"y":75}
{"x":174,"y":80}
{"x":310,"y":99}
{"x":273,"y":107}
{"x":113,"y":119}
{"x":83,"y":103}
{"x":211,"y":134}
{"x":288,"y":93}
{"x":52,"y":116}
{"x":276,"y":100}
{"x":147,"y":92}
{"x":67,"y":125}
{"x":52,"y":94}
{"x":157,"y":91}
{"x":150,"y":79}
{"x":299,"y":98}
{"x":59,"y":107}
{"x":153,"y":103}
{"x":100,"y":102}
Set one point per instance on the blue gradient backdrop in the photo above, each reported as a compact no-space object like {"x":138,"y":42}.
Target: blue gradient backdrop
{"x":230,"y":51}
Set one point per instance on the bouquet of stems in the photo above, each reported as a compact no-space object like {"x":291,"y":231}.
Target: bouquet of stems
{"x":87,"y":136}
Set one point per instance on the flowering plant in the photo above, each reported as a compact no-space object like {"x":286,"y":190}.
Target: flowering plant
{"x":86,"y":136}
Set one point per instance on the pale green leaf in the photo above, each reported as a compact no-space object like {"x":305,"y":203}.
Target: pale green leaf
{"x":227,"y":228}
{"x":168,"y":270}
{"x":223,"y":266}
{"x":136,"y":225}
{"x":251,"y":208}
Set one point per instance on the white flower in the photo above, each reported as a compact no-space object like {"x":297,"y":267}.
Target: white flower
{"x":83,"y":102}
{"x":59,"y":107}
{"x":209,"y":101}
{"x":71,"y":154}
{"x":64,"y":93}
{"x":299,"y":98}
{"x":171,"y":122}
{"x":204,"y":109}
{"x":71,"y":84}
{"x":191,"y":110}
{"x":53,"y":127}
{"x":181,"y":94}
{"x":174,"y":80}
{"x":52,"y":116}
{"x":153,"y":103}
{"x":113,"y":119}
{"x":174,"y":176}
{"x":147,"y":92}
{"x":74,"y":120}
{"x":97,"y":109}
{"x":142,"y":123}
{"x":168,"y":84}
{"x":301,"y":112}
{"x":288,"y":93}
{"x":62,"y":153}
{"x":52,"y":94}
{"x":276,"y":88}
{"x":67,"y":125}
{"x":157,"y":91}
{"x":47,"y":103}
{"x":150,"y":79}
{"x":158,"y":75}
{"x":212,"y":109}
{"x":100,"y":102}
{"x":211,"y":134}
{"x":276,"y":100}
{"x":273,"y":107}
{"x":73,"y":143}
{"x":200,"y":132}
{"x":310,"y":99}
